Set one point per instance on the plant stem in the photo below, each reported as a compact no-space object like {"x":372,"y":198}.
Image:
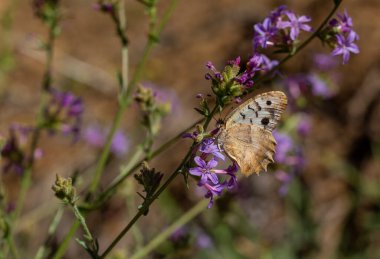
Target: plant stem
{"x":52,"y":228}
{"x":66,"y":241}
{"x":189,"y":215}
{"x":126,"y":99}
{"x":147,"y":204}
{"x":12,"y":247}
{"x":178,"y":170}
{"x":82,"y":221}
{"x":128,"y":170}
{"x":123,"y":104}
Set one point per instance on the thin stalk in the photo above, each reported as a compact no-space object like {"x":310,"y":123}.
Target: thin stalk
{"x":66,"y":241}
{"x":126,"y":98}
{"x":128,"y":170}
{"x":12,"y":247}
{"x":116,"y":122}
{"x":52,"y":228}
{"x":159,"y":191}
{"x":82,"y":221}
{"x":162,"y":236}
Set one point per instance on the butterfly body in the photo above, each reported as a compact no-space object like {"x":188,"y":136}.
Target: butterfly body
{"x":247,"y":134}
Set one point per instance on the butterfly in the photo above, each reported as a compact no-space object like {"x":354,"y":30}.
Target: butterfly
{"x":247,"y":137}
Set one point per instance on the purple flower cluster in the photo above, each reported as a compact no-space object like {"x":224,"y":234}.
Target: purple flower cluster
{"x":234,"y":80}
{"x":318,"y":82}
{"x":280,"y":29}
{"x":15,"y":150}
{"x":290,"y":156}
{"x":96,"y":137}
{"x":205,"y":168}
{"x":340,"y":35}
{"x":64,"y":113}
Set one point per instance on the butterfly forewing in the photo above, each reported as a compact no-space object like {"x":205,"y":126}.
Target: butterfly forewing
{"x":247,"y":136}
{"x":264,"y":110}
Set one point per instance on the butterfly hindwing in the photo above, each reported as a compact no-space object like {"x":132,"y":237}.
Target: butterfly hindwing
{"x":252,"y":147}
{"x":264,"y":110}
{"x":247,"y":135}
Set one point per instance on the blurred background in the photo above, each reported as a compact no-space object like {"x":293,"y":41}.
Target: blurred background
{"x":324,"y":205}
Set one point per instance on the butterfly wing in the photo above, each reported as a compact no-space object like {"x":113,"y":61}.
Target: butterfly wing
{"x":251,"y":146}
{"x":264,"y":110}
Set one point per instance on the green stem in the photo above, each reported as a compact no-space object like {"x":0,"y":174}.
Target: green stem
{"x":105,"y":152}
{"x":82,"y":221}
{"x":12,"y":247}
{"x":189,"y":215}
{"x":128,"y":170}
{"x":126,"y":98}
{"x":116,"y":122}
{"x":66,"y":241}
{"x":52,"y":228}
{"x":147,"y":204}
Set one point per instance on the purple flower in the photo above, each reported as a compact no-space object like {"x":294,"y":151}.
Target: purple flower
{"x":204,"y":170}
{"x":318,"y":86}
{"x":214,"y":71}
{"x":213,"y":190}
{"x":285,"y":179}
{"x":120,"y":143}
{"x":254,"y":64}
{"x":276,"y":14}
{"x":304,"y":125}
{"x":204,"y":241}
{"x":208,"y":147}
{"x":345,"y":46}
{"x":324,"y":62}
{"x":96,"y":137}
{"x":264,"y":33}
{"x":296,"y":24}
{"x":64,"y":112}
{"x":343,"y":23}
{"x":231,"y":171}
{"x":268,"y":64}
{"x":13,"y":151}
{"x":284,"y":146}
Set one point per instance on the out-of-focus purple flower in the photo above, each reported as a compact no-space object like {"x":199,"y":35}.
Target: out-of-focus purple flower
{"x":209,"y":147}
{"x":276,"y":14}
{"x":264,"y":33}
{"x":304,"y":125}
{"x":285,"y":179}
{"x":14,"y":150}
{"x":104,"y":7}
{"x":164,"y":95}
{"x":324,"y":62}
{"x":64,"y":113}
{"x":204,"y":240}
{"x":120,"y":143}
{"x":96,"y":137}
{"x":318,"y":86}
{"x":345,"y":46}
{"x":296,"y":24}
{"x":284,"y":146}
